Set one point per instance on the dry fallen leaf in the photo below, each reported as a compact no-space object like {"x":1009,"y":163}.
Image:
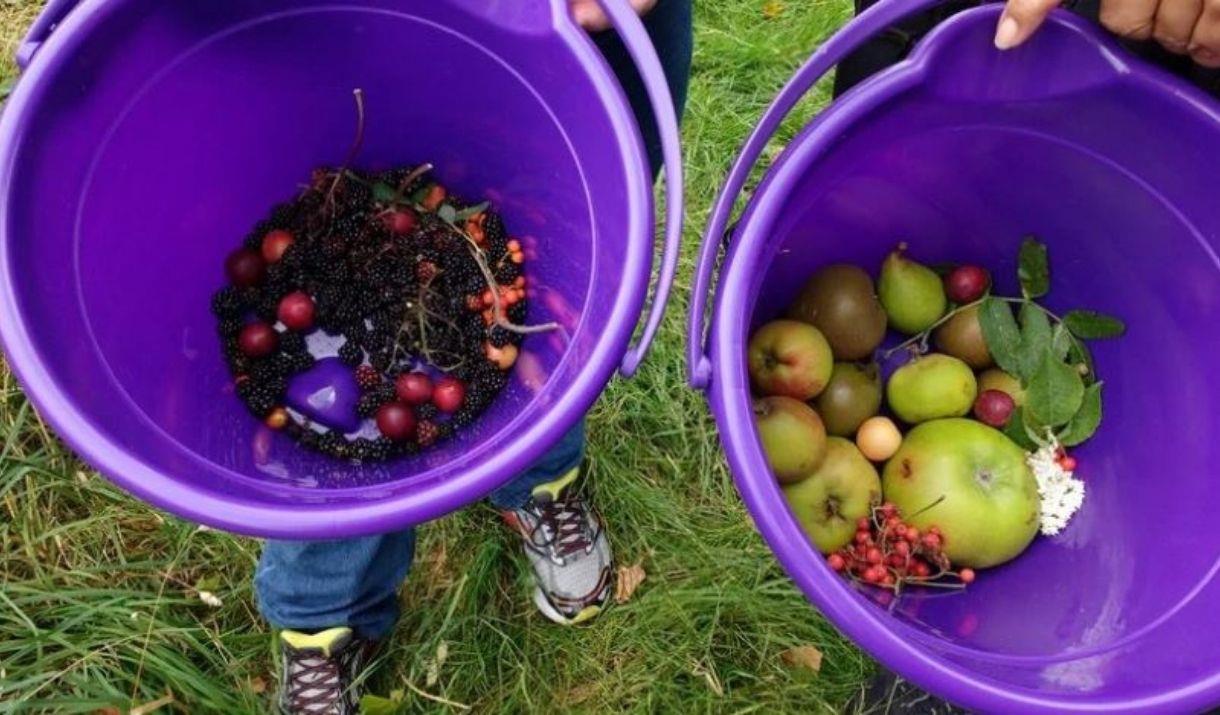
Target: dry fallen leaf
{"x":629,"y":579}
{"x":772,"y":9}
{"x":804,"y":656}
{"x":258,"y":685}
{"x":155,"y":705}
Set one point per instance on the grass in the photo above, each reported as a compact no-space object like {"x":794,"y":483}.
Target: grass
{"x":97,"y":608}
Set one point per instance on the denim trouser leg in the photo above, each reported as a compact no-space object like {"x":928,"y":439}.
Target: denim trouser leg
{"x":354,"y":582}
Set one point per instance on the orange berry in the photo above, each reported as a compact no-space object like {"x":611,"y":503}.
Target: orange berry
{"x":278,"y":418}
{"x":514,"y":246}
{"x":520,"y":282}
{"x":518,"y":257}
{"x":434,"y":197}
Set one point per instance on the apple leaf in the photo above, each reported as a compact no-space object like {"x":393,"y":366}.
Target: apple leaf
{"x":1054,"y":392}
{"x":1061,"y":342}
{"x":471,"y":211}
{"x":1086,"y":420}
{"x":1017,"y":432}
{"x":1033,"y":268}
{"x":1091,"y":325}
{"x":1035,"y":339}
{"x":1001,"y":334}
{"x":384,"y":193}
{"x":1078,"y":355}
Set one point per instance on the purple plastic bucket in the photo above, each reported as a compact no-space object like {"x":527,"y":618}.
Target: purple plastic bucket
{"x":961,"y":151}
{"x":146,"y":138}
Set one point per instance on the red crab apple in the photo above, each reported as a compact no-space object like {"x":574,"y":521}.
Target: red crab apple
{"x":793,"y":437}
{"x":790,"y":358}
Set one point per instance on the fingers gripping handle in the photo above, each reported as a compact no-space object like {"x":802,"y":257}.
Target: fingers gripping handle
{"x":871,"y":22}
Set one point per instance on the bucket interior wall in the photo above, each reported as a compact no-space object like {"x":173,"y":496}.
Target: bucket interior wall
{"x":1114,"y":605}
{"x":166,"y":135}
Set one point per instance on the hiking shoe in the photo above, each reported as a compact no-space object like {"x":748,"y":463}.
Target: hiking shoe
{"x":320,"y":672}
{"x":565,"y":541}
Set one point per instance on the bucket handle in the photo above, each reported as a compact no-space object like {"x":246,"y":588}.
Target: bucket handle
{"x":635,"y":38}
{"x":53,"y":14}
{"x":876,"y":19}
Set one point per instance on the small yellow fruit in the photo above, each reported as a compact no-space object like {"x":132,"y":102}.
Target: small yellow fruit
{"x":878,"y":438}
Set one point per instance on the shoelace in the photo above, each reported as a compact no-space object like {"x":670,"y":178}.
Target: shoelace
{"x":568,"y":527}
{"x":314,"y":684}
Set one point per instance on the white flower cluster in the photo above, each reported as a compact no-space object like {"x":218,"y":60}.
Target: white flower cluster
{"x":1061,"y":495}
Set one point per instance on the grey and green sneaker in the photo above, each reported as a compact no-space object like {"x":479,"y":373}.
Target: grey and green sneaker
{"x":565,"y":541}
{"x":321,"y":672}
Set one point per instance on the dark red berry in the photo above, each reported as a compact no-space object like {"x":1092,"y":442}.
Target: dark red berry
{"x":258,"y":340}
{"x":900,"y":530}
{"x":931,"y":541}
{"x":396,"y":421}
{"x":887,"y":580}
{"x":912,"y":534}
{"x":920,"y":569}
{"x":413,"y":388}
{"x":873,"y":556}
{"x":449,"y":394}
{"x":296,"y":311}
{"x":1067,"y":463}
{"x":902,"y":548}
{"x":425,"y":271}
{"x":966,"y":575}
{"x":245,"y":268}
{"x":862,"y":537}
{"x":863,"y":524}
{"x":836,"y":562}
{"x":966,"y":284}
{"x":872,"y":575}
{"x":275,"y":243}
{"x":401,"y":221}
{"x":994,"y":408}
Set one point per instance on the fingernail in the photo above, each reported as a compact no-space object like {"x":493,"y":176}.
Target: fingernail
{"x":1006,"y":34}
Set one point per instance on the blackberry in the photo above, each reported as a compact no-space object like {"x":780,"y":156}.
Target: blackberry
{"x":230,"y":327}
{"x":361,"y":449}
{"x":499,"y":337}
{"x":351,"y":354}
{"x":228,"y":303}
{"x":426,"y":411}
{"x":367,"y":377}
{"x":381,"y":361}
{"x":292,"y":342}
{"x":330,"y":443}
{"x":382,"y":449}
{"x":427,"y":433}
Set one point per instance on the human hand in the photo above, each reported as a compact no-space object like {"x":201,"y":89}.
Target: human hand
{"x":589,"y":14}
{"x":1184,"y":27}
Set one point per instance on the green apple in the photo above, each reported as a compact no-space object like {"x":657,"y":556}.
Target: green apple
{"x":972,"y":483}
{"x":790,"y":358}
{"x":793,"y":437}
{"x":931,"y":387}
{"x":830,"y":501}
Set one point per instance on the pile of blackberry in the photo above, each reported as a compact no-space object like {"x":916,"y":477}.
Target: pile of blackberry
{"x":386,"y":262}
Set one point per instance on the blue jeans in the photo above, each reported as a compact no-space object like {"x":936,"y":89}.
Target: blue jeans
{"x":313,"y":585}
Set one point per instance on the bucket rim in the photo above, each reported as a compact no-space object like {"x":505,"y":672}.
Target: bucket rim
{"x":894,"y":643}
{"x":352,"y":516}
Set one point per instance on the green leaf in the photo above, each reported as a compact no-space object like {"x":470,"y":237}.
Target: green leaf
{"x":1086,"y":420}
{"x":471,"y":211}
{"x":1033,"y":268}
{"x":1054,"y":392}
{"x":1035,"y":339}
{"x":1015,"y":430}
{"x":384,"y":193}
{"x":418,"y":196}
{"x":447,"y":213}
{"x":1091,"y":325}
{"x":1078,"y":354}
{"x":1001,"y":334}
{"x":1061,"y":342}
{"x":376,"y":705}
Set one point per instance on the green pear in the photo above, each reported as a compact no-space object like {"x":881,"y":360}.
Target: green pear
{"x":852,"y":396}
{"x":972,"y":483}
{"x":930,"y":387}
{"x":832,"y":499}
{"x":997,"y":379}
{"x":911,"y":293}
{"x":792,"y":436}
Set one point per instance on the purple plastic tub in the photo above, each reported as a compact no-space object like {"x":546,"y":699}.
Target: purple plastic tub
{"x":961,"y":151}
{"x":146,"y":138}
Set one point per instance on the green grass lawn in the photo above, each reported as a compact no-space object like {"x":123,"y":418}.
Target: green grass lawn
{"x":97,"y":592}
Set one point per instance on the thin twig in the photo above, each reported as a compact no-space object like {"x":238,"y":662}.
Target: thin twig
{"x":355,"y":148}
{"x":436,"y":698}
